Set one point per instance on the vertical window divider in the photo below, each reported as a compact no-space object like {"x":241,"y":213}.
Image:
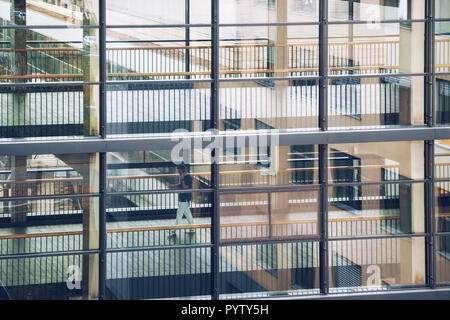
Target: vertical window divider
{"x":214,"y":120}
{"x":103,"y":164}
{"x":323,"y":149}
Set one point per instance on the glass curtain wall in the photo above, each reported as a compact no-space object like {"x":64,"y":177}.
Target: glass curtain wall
{"x":254,"y":209}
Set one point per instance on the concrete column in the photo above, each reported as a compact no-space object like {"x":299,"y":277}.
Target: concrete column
{"x":19,"y":189}
{"x":91,"y":68}
{"x":17,"y":114}
{"x":90,"y":207}
{"x":411,"y":106}
{"x":87,"y":165}
{"x":277,"y":100}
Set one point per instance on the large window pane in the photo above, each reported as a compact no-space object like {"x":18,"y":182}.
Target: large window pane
{"x":67,"y":277}
{"x":376,"y":11}
{"x":376,"y":49}
{"x":49,"y":225}
{"x":155,"y":12}
{"x":375,"y":102}
{"x":156,"y":169}
{"x":157,"y":108}
{"x":375,"y":162}
{"x":442,"y":206}
{"x":443,"y":260}
{"x":442,"y":9}
{"x":442,"y":46}
{"x":158,"y":54}
{"x":66,"y":111}
{"x":442,"y":100}
{"x":268,"y":269}
{"x":269,"y":51}
{"x":262,"y":164}
{"x":360,"y":210}
{"x":162,"y":274}
{"x":277,"y":215}
{"x":442,"y":159}
{"x":268,"y":11}
{"x":44,"y":12}
{"x":153,"y":220}
{"x":47,"y":174}
{"x":49,"y":55}
{"x":376,"y":264}
{"x":266,"y":105}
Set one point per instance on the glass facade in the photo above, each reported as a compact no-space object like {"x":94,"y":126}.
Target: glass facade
{"x":223,"y":149}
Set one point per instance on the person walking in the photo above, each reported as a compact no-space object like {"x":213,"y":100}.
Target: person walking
{"x":184,"y":199}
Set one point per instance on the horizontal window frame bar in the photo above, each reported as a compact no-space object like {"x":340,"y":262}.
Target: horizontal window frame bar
{"x":375,"y":237}
{"x":378,"y":75}
{"x":50,"y":197}
{"x":49,"y":254}
{"x":269,"y":241}
{"x":337,"y":22}
{"x":152,"y":192}
{"x":50,"y":26}
{"x":166,"y":142}
{"x":49,"y":84}
{"x":157,"y":26}
{"x":348,"y":184}
{"x":158,"y":248}
{"x":271,"y":189}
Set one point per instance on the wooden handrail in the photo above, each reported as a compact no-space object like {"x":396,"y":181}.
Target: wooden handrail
{"x":342,"y":43}
{"x":202,"y":226}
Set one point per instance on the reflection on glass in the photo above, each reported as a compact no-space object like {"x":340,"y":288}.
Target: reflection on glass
{"x":442,"y":159}
{"x":268,"y":216}
{"x":157,"y":108}
{"x":152,"y":220}
{"x":48,"y":225}
{"x":376,"y":264}
{"x":376,"y":49}
{"x":158,"y":54}
{"x":442,"y":100}
{"x":376,"y":209}
{"x":145,"y":12}
{"x":68,"y":111}
{"x":442,"y":46}
{"x":268,"y":11}
{"x":376,"y":10}
{"x":374,"y":162}
{"x":267,"y":269}
{"x":47,"y":174}
{"x":68,"y":277}
{"x":162,"y":274}
{"x":44,"y":12}
{"x":269,"y":51}
{"x":381,"y":102}
{"x":49,"y":55}
{"x":443,"y":259}
{"x":442,"y":9}
{"x":156,"y":169}
{"x":262,"y":164}
{"x":442,"y":205}
{"x":266,"y":104}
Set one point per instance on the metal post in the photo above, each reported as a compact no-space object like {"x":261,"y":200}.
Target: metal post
{"x":429,"y":67}
{"x":323,"y":219}
{"x":429,"y":214}
{"x":214,"y":114}
{"x":102,"y":227}
{"x":323,"y":65}
{"x":103,"y":165}
{"x":323,"y":149}
{"x":187,"y":21}
{"x":102,"y":62}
